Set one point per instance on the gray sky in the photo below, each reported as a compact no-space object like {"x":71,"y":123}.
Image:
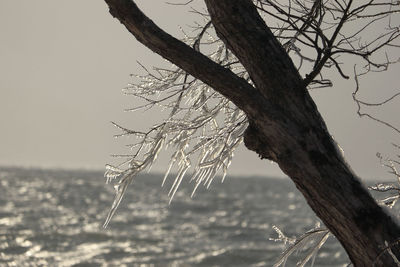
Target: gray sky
{"x":63,"y":65}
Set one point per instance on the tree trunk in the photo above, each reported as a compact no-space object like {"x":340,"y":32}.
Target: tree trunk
{"x":285,"y":125}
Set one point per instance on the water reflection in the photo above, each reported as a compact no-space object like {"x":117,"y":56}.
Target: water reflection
{"x":54,"y":218}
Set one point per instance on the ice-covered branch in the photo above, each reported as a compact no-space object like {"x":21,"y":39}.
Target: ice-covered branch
{"x":321,"y":33}
{"x":201,"y":127}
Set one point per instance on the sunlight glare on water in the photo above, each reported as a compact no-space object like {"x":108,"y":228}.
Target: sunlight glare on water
{"x":54,"y":218}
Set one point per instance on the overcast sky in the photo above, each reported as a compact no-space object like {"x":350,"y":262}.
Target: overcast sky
{"x":63,"y":65}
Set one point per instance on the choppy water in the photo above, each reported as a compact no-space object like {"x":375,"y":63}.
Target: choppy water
{"x":54,"y":218}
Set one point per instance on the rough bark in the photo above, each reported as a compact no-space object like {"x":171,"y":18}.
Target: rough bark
{"x":285,"y":125}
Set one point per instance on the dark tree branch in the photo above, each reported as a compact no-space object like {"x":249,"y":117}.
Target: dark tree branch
{"x":243,"y":30}
{"x":145,"y":31}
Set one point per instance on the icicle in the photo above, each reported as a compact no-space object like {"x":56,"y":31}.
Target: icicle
{"x":120,"y":191}
{"x":168,"y":170}
{"x":179,"y":180}
{"x":112,"y":173}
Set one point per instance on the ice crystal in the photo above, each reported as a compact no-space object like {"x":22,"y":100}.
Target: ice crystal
{"x":310,"y":242}
{"x":391,"y":188}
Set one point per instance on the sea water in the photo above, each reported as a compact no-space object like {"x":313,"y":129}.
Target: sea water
{"x":55,"y":218}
